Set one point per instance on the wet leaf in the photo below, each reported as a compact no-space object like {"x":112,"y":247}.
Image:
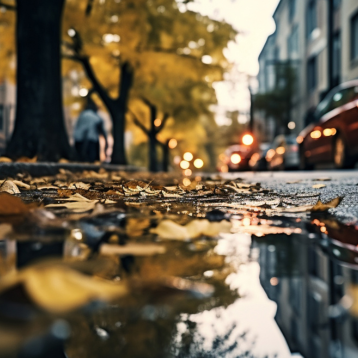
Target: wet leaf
{"x":318,"y":186}
{"x":79,"y":185}
{"x":59,"y":289}
{"x":10,"y":187}
{"x":5,"y":160}
{"x":12,"y":205}
{"x":330,"y":205}
{"x":170,"y":230}
{"x":77,"y":203}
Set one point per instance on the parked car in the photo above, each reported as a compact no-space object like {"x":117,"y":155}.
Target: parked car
{"x":283,"y":154}
{"x":333,"y":136}
{"x":258,"y":159}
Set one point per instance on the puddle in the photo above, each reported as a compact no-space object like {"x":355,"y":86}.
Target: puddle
{"x":251,"y":284}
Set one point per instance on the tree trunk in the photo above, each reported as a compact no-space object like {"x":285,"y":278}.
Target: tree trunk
{"x":118,"y":121}
{"x":39,"y":125}
{"x":165,"y":162}
{"x":118,"y":113}
{"x":153,"y":160}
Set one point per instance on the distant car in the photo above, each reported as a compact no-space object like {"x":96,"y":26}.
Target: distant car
{"x":283,"y":154}
{"x":258,"y":159}
{"x":238,"y":157}
{"x":333,"y":136}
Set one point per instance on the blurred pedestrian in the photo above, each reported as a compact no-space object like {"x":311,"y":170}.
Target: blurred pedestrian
{"x":89,"y":127}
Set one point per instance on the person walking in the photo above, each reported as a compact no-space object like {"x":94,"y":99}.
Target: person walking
{"x":89,"y":127}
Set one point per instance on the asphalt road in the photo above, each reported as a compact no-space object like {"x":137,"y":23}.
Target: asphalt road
{"x":335,"y":183}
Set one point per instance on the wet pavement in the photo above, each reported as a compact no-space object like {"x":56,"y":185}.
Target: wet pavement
{"x":218,"y":268}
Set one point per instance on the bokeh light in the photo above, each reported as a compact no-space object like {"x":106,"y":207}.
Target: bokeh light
{"x":274,"y":281}
{"x":235,"y":158}
{"x":198,"y":163}
{"x":186,"y":181}
{"x":157,"y":122}
{"x":188,"y":156}
{"x":247,"y":139}
{"x":172,"y":143}
{"x":188,"y":172}
{"x":184,"y":164}
{"x":291,"y":125}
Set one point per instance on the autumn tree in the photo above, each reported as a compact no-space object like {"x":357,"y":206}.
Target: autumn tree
{"x":153,"y":41}
{"x":39,"y":125}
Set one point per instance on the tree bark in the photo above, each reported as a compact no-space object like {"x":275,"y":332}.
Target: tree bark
{"x":118,"y":118}
{"x":152,"y":136}
{"x":165,"y":162}
{"x":39,"y":126}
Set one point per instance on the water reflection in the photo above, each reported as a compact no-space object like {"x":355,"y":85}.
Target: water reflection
{"x":310,"y":277}
{"x":270,"y":288}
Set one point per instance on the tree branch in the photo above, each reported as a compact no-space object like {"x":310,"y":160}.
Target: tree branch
{"x":164,"y":120}
{"x":7,"y":6}
{"x":138,"y":123}
{"x":89,"y":7}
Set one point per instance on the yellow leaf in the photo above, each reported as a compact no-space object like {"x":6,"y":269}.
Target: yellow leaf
{"x":59,"y":289}
{"x":330,"y":205}
{"x":168,"y":229}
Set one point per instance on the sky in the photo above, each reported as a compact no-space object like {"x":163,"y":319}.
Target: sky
{"x":253,"y":20}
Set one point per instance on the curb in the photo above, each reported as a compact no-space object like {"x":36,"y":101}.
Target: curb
{"x":48,"y":169}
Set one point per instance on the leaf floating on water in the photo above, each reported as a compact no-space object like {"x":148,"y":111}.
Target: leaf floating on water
{"x":318,"y":186}
{"x":59,"y":289}
{"x":170,"y":230}
{"x":10,"y":187}
{"x":330,"y":205}
{"x":294,"y":182}
{"x":132,"y":249}
{"x":12,"y":205}
{"x":77,"y":203}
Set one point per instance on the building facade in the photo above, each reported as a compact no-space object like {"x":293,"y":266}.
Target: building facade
{"x":318,"y":39}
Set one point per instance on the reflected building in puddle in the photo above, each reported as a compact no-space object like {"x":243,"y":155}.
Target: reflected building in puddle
{"x":307,"y":276}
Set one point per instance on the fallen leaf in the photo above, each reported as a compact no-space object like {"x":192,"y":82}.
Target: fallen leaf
{"x":330,"y":205}
{"x":10,"y":187}
{"x":79,"y":185}
{"x":322,"y":179}
{"x":27,"y":160}
{"x":5,"y":160}
{"x":77,"y":203}
{"x":12,"y":205}
{"x":59,"y":289}
{"x":132,"y":249}
{"x":168,"y":229}
{"x":318,"y":186}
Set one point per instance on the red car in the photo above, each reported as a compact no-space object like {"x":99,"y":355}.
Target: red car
{"x":333,"y":136}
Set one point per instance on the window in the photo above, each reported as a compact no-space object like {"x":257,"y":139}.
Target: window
{"x":336,"y":4}
{"x":354,"y":37}
{"x":311,"y":17}
{"x":311,"y":74}
{"x":291,"y":9}
{"x":336,"y":58}
{"x":293,"y":42}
